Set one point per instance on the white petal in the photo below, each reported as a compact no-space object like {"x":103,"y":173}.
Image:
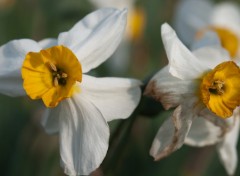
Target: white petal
{"x":226,"y":15}
{"x":50,"y":120}
{"x":169,"y":90}
{"x":113,"y":3}
{"x":116,"y":98}
{"x":11,"y":84}
{"x":12,"y":55}
{"x":227,"y":149}
{"x":48,"y":42}
{"x":212,"y":56}
{"x":183,"y":64}
{"x":96,"y":37}
{"x":191,"y":17}
{"x":172,"y":133}
{"x":84,"y":136}
{"x":214,"y":119}
{"x":203,"y":133}
{"x":209,"y":38}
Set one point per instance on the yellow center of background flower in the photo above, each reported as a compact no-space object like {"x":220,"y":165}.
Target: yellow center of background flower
{"x":220,"y":89}
{"x":136,"y":23}
{"x":51,"y":74}
{"x":228,"y":40}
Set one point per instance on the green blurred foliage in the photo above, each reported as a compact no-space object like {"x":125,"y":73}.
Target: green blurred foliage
{"x":26,"y":150}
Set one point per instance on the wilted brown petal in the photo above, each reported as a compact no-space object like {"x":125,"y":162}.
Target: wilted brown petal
{"x":172,"y":133}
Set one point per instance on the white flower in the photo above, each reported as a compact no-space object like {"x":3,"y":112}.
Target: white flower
{"x":193,"y":18}
{"x":54,"y":71}
{"x":200,"y":84}
{"x":134,"y":31}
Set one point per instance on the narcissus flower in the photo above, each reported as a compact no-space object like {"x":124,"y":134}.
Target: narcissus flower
{"x":78,"y":106}
{"x":194,"y":18}
{"x":202,"y":85}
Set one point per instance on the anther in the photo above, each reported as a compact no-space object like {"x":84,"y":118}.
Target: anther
{"x":64,"y":75}
{"x":52,"y":66}
{"x":55,"y":81}
{"x":217,"y":87}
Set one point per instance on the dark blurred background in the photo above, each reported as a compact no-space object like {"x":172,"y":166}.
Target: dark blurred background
{"x":26,"y":150}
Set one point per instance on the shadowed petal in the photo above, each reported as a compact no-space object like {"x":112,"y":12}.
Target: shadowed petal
{"x":116,"y":98}
{"x":84,"y":136}
{"x":227,"y":149}
{"x":12,"y":55}
{"x":172,"y":133}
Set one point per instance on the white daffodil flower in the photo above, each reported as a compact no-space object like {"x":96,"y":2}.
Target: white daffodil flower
{"x":193,"y":18}
{"x":134,"y":31}
{"x":81,"y":105}
{"x":204,"y":87}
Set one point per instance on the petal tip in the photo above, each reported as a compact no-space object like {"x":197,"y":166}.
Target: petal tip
{"x":166,"y":28}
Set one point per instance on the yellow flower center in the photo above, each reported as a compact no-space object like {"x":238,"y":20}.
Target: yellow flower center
{"x":136,"y":22}
{"x":220,"y":89}
{"x":51,"y":74}
{"x":228,"y":39}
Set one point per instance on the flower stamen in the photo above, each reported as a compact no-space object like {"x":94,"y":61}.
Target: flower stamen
{"x":217,"y":87}
{"x":59,"y":76}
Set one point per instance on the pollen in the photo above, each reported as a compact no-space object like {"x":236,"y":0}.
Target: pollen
{"x":220,"y":89}
{"x":51,"y":74}
{"x":217,"y":87}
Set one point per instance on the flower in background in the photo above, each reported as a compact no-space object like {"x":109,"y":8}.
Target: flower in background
{"x":193,"y":18}
{"x":78,"y":106}
{"x":204,"y":87}
{"x":134,"y":32}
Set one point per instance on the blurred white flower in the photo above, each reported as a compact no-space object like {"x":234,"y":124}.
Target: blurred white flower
{"x":134,"y":31}
{"x":203,"y":86}
{"x":193,"y":18}
{"x":54,"y":70}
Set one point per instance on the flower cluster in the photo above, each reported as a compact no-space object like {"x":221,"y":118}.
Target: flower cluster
{"x":201,"y":81}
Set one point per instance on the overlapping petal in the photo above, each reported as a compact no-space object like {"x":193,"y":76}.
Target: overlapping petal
{"x":47,"y":43}
{"x":182,"y":63}
{"x":50,"y":120}
{"x":84,"y":135}
{"x":227,"y":148}
{"x":203,"y":133}
{"x":172,"y":133}
{"x":116,"y":98}
{"x":169,"y":90}
{"x":211,"y":56}
{"x":96,"y":37}
{"x":12,"y":55}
